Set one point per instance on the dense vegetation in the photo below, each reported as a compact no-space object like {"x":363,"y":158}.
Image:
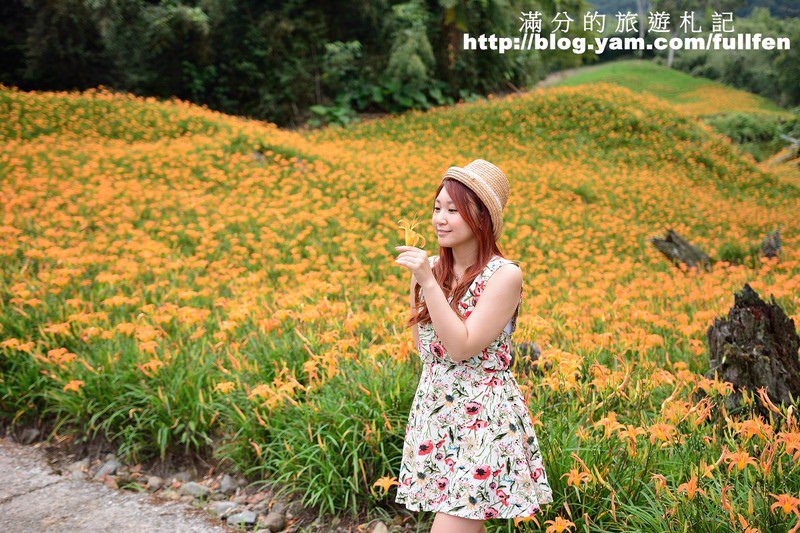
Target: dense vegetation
{"x":270,"y":60}
{"x":778,"y":8}
{"x":304,"y":61}
{"x":774,"y":74}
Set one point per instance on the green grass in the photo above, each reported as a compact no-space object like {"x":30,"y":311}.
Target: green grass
{"x":646,"y":76}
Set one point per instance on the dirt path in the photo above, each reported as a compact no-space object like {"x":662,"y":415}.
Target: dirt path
{"x":34,"y":498}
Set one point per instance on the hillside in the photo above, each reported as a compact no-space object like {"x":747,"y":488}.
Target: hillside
{"x":691,"y":95}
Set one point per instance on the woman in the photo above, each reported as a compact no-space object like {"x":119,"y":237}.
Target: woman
{"x":470,"y":451}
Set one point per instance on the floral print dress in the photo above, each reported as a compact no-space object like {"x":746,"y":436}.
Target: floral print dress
{"x":470,"y":449}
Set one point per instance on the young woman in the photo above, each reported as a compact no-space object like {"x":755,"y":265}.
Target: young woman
{"x":470,"y":451}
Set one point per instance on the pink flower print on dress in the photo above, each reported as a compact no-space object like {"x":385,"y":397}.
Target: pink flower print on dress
{"x":425,"y":448}
{"x":503,"y":359}
{"x":473,"y":408}
{"x":490,"y":513}
{"x":437,"y":350}
{"x":478,"y":289}
{"x":442,"y":483}
{"x":493,"y":381}
{"x":478,"y":424}
{"x":501,"y":494}
{"x":481,"y":472}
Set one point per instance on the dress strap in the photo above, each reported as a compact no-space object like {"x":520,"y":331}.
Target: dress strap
{"x":495,"y":263}
{"x":490,"y":269}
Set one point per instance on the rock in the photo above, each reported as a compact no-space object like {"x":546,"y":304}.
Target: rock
{"x":154,"y":483}
{"x":273,"y":521}
{"x":79,"y":469}
{"x":183,"y":476}
{"x":170,"y":494}
{"x":79,"y":466}
{"x":278,"y":507}
{"x":108,"y":468}
{"x":29,"y":435}
{"x":242,"y":498}
{"x":246,"y":518}
{"x":194,"y":489}
{"x":215,"y":495}
{"x":228,"y":484}
{"x":222,"y":509}
{"x":754,"y":348}
{"x":294,"y":509}
{"x":380,"y":527}
{"x":525,"y":355}
{"x":680,"y":251}
{"x":260,"y":507}
{"x":771,"y":244}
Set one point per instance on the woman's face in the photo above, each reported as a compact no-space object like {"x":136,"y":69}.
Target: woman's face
{"x":450,"y":228}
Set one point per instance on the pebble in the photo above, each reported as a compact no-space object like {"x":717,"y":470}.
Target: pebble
{"x":194,"y":489}
{"x":108,"y":468}
{"x":154,"y":483}
{"x":273,"y":521}
{"x":221,"y":509}
{"x":228,"y":484}
{"x":246,"y":518}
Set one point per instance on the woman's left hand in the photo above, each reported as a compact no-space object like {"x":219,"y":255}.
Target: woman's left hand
{"x":416,"y":260}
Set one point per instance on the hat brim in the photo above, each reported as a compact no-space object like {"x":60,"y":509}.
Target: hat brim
{"x":477,"y":185}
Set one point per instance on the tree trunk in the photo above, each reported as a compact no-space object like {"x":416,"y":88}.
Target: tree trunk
{"x":640,"y":6}
{"x":755,"y":347}
{"x":678,"y":250}
{"x":670,"y":51}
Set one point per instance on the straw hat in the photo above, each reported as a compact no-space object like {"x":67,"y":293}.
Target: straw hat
{"x":489,"y":183}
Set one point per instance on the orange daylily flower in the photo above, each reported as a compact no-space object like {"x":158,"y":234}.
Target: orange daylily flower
{"x":411,"y":237}
{"x":786,"y":503}
{"x":740,"y":459}
{"x":73,"y":385}
{"x":690,"y":488}
{"x":576,"y":477}
{"x":385,"y":483}
{"x":558,"y":525}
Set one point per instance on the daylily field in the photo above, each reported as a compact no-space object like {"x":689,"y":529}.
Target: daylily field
{"x":182,"y":281}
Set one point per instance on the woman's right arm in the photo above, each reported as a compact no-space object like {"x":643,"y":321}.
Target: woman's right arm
{"x":412,"y":302}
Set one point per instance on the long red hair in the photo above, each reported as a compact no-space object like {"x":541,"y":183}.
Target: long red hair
{"x":477,"y":217}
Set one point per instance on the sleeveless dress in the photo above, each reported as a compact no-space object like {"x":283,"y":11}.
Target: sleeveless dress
{"x":470,"y":449}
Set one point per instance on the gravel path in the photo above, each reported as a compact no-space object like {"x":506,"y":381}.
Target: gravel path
{"x":34,"y":498}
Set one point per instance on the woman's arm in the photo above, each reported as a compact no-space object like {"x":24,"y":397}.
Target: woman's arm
{"x":465,"y":338}
{"x":413,"y":302}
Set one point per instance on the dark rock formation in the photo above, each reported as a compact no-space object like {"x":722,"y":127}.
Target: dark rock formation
{"x":755,"y":346}
{"x":678,"y":250}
